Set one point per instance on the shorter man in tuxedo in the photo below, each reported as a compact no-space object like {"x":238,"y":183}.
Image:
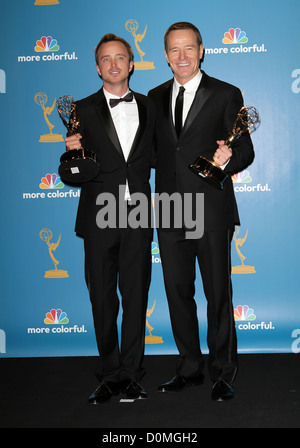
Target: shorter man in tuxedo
{"x":116,"y":124}
{"x":208,"y":110}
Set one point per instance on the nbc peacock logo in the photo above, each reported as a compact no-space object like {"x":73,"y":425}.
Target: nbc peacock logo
{"x":155,"y":253}
{"x":51,"y":181}
{"x":47,"y":49}
{"x":241,"y":177}
{"x":244,"y":313}
{"x":56,"y":317}
{"x":46,"y":44}
{"x":245,"y":317}
{"x":235,"y":36}
{"x":55,"y":321}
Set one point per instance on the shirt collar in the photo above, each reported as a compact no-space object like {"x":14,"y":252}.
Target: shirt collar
{"x":109,"y":95}
{"x":191,"y":86}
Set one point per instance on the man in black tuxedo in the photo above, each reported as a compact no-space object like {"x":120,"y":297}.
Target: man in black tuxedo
{"x":120,"y":134}
{"x":209,"y":109}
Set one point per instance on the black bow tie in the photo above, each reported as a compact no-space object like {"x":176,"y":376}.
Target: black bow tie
{"x":115,"y":101}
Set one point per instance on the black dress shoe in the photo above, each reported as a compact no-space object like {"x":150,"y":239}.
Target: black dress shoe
{"x":104,"y":392}
{"x":133,"y":390}
{"x":222,"y":391}
{"x":179,"y":383}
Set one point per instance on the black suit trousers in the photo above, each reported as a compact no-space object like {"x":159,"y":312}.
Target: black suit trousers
{"x":119,"y":258}
{"x":179,"y":256}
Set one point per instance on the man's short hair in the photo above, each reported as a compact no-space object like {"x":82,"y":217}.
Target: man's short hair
{"x":182,"y":26}
{"x":110,"y":38}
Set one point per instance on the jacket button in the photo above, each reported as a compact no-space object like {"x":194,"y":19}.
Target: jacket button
{"x":177,"y":149}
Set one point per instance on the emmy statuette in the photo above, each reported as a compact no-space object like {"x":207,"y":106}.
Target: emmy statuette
{"x":77,"y":165}
{"x":46,"y":235}
{"x":132,"y":26}
{"x":246,"y":118}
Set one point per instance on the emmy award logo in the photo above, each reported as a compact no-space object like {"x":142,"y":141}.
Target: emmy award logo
{"x":46,"y":2}
{"x":46,"y":235}
{"x":241,"y":269}
{"x":132,"y":26}
{"x":41,"y":99}
{"x":246,"y":119}
{"x":152,"y":339}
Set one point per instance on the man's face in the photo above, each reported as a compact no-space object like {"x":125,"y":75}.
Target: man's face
{"x":183,"y":54}
{"x":113,"y":64}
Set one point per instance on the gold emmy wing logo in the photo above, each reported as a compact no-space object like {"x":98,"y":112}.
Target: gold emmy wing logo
{"x":46,"y":235}
{"x":41,"y":99}
{"x":46,"y":2}
{"x":132,"y":26}
{"x":152,"y":339}
{"x":243,"y":268}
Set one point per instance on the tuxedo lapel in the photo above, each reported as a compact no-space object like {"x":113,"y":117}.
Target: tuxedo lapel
{"x":142,"y":124}
{"x":202,"y":95}
{"x":106,"y":120}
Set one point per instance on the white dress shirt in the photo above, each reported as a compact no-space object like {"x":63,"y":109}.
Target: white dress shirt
{"x":126,"y":120}
{"x":189,"y":95}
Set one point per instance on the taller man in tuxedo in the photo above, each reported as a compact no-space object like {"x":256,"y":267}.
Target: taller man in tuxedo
{"x":120,"y":133}
{"x":210,"y":107}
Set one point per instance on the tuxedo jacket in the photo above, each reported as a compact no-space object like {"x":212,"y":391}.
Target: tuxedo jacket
{"x":100,"y":136}
{"x":210,"y":118}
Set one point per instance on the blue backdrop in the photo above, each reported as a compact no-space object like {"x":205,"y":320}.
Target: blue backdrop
{"x":48,"y":51}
